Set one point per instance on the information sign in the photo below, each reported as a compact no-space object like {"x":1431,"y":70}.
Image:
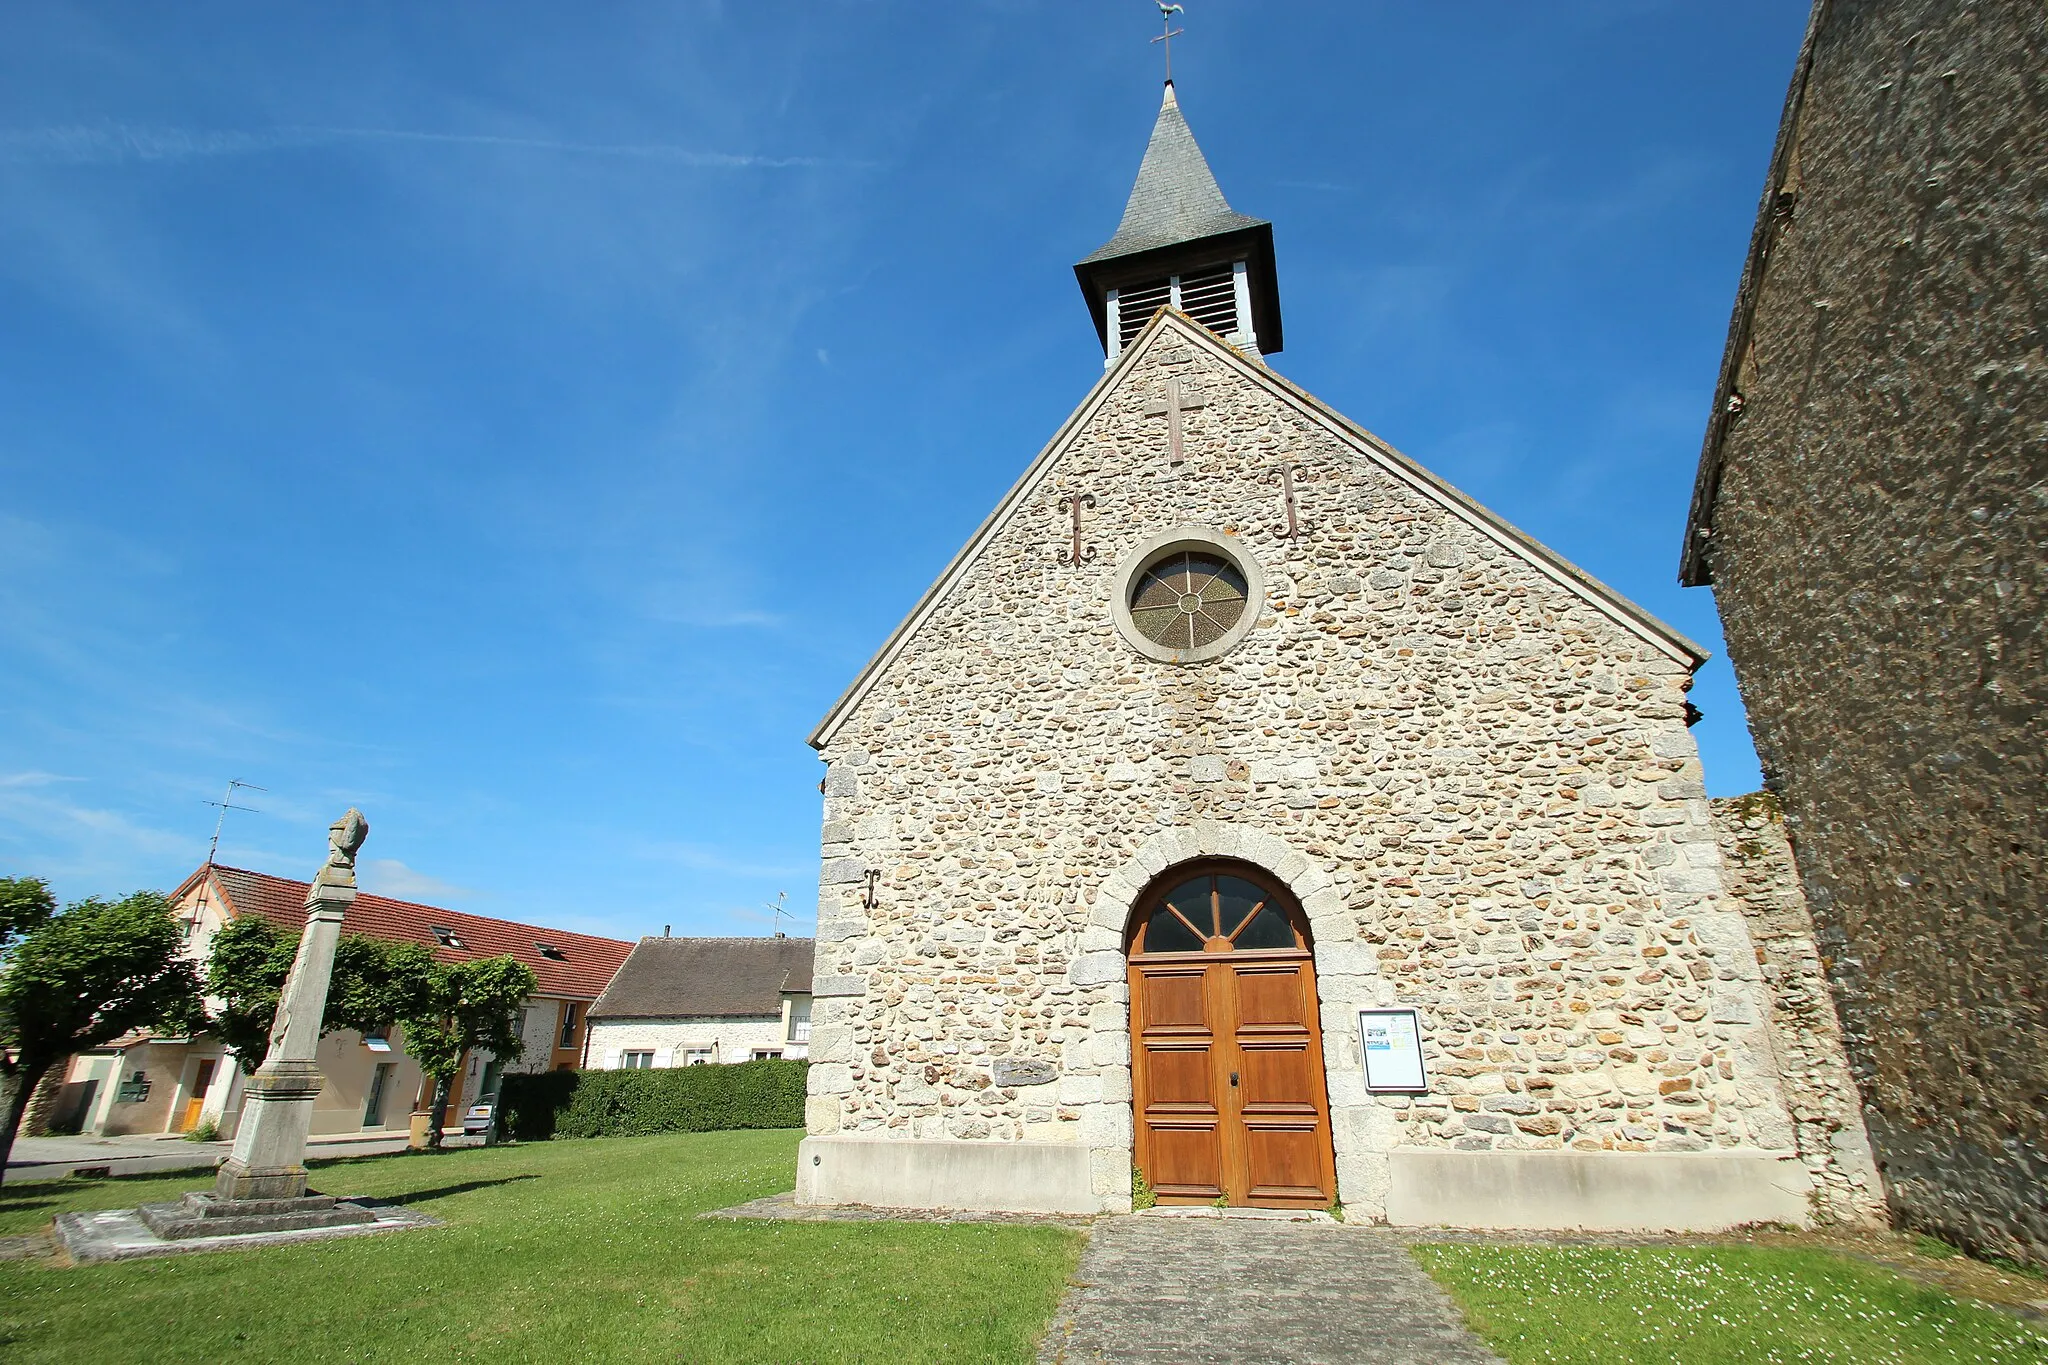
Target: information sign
{"x":1391,"y":1041}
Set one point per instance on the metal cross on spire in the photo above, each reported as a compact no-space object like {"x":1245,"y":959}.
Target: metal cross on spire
{"x":1168,"y":33}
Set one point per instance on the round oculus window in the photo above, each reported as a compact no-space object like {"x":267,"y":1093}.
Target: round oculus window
{"x":1187,"y":595}
{"x":1188,"y":599}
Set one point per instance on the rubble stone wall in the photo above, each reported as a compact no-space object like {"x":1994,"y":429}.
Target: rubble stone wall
{"x":1813,"y":1069}
{"x":1876,"y":555}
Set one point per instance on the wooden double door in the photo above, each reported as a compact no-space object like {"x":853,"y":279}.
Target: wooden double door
{"x":1227,"y":1059}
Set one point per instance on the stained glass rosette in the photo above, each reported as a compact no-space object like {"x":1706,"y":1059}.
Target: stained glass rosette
{"x":1188,"y":599}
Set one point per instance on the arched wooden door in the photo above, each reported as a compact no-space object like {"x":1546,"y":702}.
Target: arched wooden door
{"x":1226,"y":1048}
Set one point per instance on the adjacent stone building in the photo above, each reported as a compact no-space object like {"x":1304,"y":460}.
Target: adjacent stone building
{"x":1871,"y":510}
{"x":1236,"y":758}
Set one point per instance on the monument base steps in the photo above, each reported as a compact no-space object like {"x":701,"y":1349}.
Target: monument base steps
{"x":207,"y":1215}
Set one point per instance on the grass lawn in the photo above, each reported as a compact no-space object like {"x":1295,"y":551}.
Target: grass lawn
{"x":1708,"y":1305}
{"x":553,"y":1251}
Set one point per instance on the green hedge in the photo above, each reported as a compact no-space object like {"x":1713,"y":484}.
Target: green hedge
{"x":684,"y":1099}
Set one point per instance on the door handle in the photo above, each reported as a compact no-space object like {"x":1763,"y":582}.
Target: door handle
{"x":1233,"y":1078}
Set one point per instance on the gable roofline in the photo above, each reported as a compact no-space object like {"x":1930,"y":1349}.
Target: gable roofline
{"x":994,"y":521}
{"x":1693,"y":568}
{"x":1546,"y":561}
{"x":707,"y":978}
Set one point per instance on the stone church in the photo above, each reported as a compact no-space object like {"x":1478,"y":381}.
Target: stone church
{"x":1246,"y":816}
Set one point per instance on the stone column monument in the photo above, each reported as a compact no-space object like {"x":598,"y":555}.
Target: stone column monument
{"x":269,"y":1160}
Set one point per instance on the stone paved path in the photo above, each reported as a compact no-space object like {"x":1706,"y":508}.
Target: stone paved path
{"x":1244,"y":1290}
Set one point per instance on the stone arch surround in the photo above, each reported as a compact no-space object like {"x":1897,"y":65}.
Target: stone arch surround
{"x":1347,"y":980}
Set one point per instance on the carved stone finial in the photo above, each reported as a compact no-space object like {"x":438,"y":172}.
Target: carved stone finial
{"x":344,"y":837}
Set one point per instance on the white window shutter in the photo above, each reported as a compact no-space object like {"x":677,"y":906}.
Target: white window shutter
{"x":664,"y":1058}
{"x":611,"y":1061}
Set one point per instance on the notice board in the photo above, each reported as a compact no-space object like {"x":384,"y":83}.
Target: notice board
{"x":1391,"y":1043}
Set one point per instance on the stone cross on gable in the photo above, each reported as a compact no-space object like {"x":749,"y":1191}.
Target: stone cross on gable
{"x":1176,"y":401}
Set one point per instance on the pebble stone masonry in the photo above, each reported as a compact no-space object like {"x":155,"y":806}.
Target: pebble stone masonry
{"x":1470,"y":763}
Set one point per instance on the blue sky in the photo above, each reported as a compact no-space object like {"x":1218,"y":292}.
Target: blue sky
{"x":522,"y":420}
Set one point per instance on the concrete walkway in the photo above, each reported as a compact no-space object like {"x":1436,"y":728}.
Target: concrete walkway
{"x":1178,"y":1289}
{"x":53,"y":1158}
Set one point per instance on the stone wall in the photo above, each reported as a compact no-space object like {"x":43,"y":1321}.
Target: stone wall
{"x":1813,"y":1069}
{"x":1876,"y":553}
{"x":1476,"y":776}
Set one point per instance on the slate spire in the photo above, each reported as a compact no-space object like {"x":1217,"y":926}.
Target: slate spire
{"x":1180,"y":244}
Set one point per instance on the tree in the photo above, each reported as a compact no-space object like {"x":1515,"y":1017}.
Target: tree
{"x":80,"y":979}
{"x":25,"y":903}
{"x":373,"y":983}
{"x":465,"y":1005}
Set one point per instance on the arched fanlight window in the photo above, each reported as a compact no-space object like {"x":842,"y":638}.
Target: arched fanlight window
{"x":1217,"y":908}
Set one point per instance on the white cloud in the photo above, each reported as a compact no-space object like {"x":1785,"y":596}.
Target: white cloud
{"x":390,"y":877}
{"x":113,"y":144}
{"x":33,"y":779}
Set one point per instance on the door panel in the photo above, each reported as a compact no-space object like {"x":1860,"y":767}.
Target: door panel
{"x":1228,"y":1081}
{"x":1228,"y":1092}
{"x":1269,"y":993}
{"x":1179,"y":1123}
{"x":1285,"y":1102}
{"x":1176,"y":997}
{"x":1286,"y":1164}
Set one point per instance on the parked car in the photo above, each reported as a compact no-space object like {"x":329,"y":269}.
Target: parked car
{"x":476,"y":1119}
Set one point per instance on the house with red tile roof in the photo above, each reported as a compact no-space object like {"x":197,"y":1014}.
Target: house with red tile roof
{"x":148,"y":1084}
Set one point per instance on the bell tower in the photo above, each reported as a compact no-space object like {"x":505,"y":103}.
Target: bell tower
{"x":1180,"y":245}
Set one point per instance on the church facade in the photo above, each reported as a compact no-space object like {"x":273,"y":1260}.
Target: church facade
{"x":1237,"y":757}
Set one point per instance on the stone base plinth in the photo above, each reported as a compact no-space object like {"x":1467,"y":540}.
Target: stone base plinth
{"x":121,"y":1234}
{"x":207,"y":1215}
{"x":1596,"y":1191}
{"x":237,"y":1182}
{"x":939,"y":1173}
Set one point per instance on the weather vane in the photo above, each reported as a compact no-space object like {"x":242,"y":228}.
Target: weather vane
{"x":1168,"y":33}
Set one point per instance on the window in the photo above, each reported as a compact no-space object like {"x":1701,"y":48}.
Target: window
{"x":800,"y":1021}
{"x":637,"y":1061}
{"x":1216,"y":908}
{"x":762,"y":1054}
{"x":551,"y":952}
{"x":1189,"y":595}
{"x":444,"y":936}
{"x":1187,"y":599}
{"x":568,"y":1037}
{"x":697,"y":1056}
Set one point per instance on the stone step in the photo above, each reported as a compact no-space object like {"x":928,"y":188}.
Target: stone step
{"x":201,"y":1204}
{"x":203,"y":1215}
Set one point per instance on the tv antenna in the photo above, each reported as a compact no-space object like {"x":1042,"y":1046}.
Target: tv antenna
{"x":775,"y":908}
{"x":226,"y":804}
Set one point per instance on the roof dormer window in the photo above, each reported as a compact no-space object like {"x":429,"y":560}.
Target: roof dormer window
{"x":444,"y":936}
{"x":551,"y":952}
